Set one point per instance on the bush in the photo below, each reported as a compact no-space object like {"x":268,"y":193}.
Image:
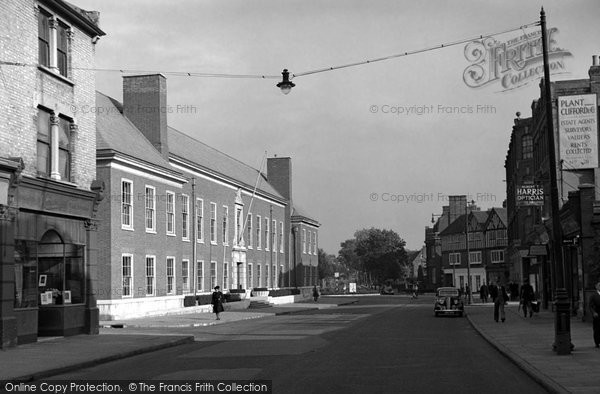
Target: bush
{"x":189,"y":301}
{"x":204,"y":299}
{"x":283,"y":292}
{"x":232,"y":297}
{"x":237,"y":291}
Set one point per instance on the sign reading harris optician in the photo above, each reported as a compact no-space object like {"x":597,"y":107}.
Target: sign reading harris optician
{"x":578,"y":131}
{"x":530,"y":195}
{"x":512,"y":63}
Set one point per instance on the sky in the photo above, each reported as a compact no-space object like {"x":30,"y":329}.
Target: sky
{"x":376,"y":145}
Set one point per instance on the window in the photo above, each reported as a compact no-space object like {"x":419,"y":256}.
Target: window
{"x":170,"y":275}
{"x":527,"y":146}
{"x":213,"y":274}
{"x":274,"y":275}
{"x":225,"y":225}
{"x":225,"y":275}
{"x":249,"y":229}
{"x":475,"y":257}
{"x":150,"y":275}
{"x":185,"y":217}
{"x":303,"y":240}
{"x":258,"y":278}
{"x":126,"y":204}
{"x":258,"y":232}
{"x":250,"y":278}
{"x":454,"y":258}
{"x":127,"y":274}
{"x":281,"y":276}
{"x":497,"y":256}
{"x":267,"y":274}
{"x":53,"y":49}
{"x":53,"y":160}
{"x":199,"y":220}
{"x":239,"y":233}
{"x":185,"y":275}
{"x":274,"y":235}
{"x":150,"y":209}
{"x":26,"y":275}
{"x":213,"y":223}
{"x":266,"y":233}
{"x":316,"y":245}
{"x":170,"y":213}
{"x":200,"y":280}
{"x":281,"y":237}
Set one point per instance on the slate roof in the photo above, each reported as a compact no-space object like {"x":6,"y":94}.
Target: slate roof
{"x":298,"y":212}
{"x":116,"y":133}
{"x":217,"y":163}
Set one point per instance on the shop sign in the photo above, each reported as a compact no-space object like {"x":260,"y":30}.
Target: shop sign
{"x":578,"y":131}
{"x":530,"y":195}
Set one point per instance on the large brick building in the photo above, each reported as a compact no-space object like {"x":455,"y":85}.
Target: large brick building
{"x":183,"y":217}
{"x":48,"y":193}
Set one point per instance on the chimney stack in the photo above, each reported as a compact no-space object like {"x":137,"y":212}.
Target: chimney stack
{"x":279,"y":175}
{"x":145,"y":105}
{"x":594,"y":74}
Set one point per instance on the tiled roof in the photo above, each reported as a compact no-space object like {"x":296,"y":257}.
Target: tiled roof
{"x":299,"y":212}
{"x":216,"y":162}
{"x":115,"y":132}
{"x":456,"y":227}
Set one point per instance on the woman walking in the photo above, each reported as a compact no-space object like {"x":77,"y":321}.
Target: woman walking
{"x":217,"y":301}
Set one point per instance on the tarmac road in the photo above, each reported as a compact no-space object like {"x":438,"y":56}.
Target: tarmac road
{"x":383,"y":344}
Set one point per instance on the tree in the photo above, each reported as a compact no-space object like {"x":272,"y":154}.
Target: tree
{"x":348,"y":257}
{"x":380,"y":252}
{"x":327,"y":264}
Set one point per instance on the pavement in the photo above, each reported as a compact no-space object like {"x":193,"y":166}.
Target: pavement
{"x":525,"y":341}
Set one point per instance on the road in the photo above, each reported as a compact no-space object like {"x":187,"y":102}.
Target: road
{"x":382,"y":344}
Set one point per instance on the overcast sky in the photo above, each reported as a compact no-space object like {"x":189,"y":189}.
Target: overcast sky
{"x":351,"y":154}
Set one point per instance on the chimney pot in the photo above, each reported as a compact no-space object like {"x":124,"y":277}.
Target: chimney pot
{"x":594,"y":60}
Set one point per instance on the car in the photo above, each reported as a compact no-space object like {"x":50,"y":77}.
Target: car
{"x":448,"y":301}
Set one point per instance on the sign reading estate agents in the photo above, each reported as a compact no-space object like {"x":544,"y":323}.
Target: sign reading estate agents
{"x":530,"y":195}
{"x":578,"y":131}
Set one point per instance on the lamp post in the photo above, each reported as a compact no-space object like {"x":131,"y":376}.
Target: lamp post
{"x":562,"y":318}
{"x":469,"y":291}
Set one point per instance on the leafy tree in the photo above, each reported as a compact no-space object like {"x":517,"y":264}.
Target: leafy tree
{"x":380,"y":252}
{"x":327,"y":264}
{"x":347,"y":255}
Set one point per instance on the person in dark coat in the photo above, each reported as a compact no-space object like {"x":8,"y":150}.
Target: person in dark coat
{"x":527,"y":296}
{"x":315,"y":293}
{"x":483,"y":293}
{"x":595,"y":308}
{"x":217,"y":301}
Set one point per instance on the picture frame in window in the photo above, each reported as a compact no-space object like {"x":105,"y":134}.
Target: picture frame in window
{"x":43,"y":280}
{"x":67,"y":296}
{"x":44,"y":299}
{"x":49,"y":297}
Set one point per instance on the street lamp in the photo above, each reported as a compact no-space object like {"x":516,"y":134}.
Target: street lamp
{"x":562,"y":318}
{"x":470,"y":290}
{"x":286,"y":85}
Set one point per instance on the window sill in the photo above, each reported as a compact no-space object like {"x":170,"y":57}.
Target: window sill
{"x":171,"y":235}
{"x":150,"y":231}
{"x":60,"y":77}
{"x":185,"y":239}
{"x":62,"y":182}
{"x":127,"y":228}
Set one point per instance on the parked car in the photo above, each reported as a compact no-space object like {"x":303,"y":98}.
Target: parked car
{"x":448,"y":302}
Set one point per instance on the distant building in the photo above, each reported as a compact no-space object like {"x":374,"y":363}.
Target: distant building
{"x":48,"y":191}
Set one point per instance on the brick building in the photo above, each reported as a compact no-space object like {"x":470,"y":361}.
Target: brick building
{"x":579,"y":196}
{"x":48,"y":192}
{"x":183,"y":217}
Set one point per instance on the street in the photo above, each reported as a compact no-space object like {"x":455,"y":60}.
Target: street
{"x":383,"y":344}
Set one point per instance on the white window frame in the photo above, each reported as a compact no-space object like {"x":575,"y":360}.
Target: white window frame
{"x":213,"y":223}
{"x":304,"y":240}
{"x":497,"y":251}
{"x":239,"y":231}
{"x":268,"y":275}
{"x":130,"y":256}
{"x":151,"y":229}
{"x":171,"y":276}
{"x":281,"y":243}
{"x":127,"y":204}
{"x":214,"y":277}
{"x":455,"y":257}
{"x":475,"y":257}
{"x":258,"y":233}
{"x":185,"y":217}
{"x":185,"y":279}
{"x":225,"y":275}
{"x":274,"y":235}
{"x":225,"y":225}
{"x":200,"y":275}
{"x":170,"y":213}
{"x":250,"y":276}
{"x":199,"y":219}
{"x":53,"y":49}
{"x":274,"y":275}
{"x":153,"y":269}
{"x":250,"y":230}
{"x":267,"y":233}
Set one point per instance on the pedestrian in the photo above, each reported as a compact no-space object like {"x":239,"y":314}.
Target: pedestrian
{"x":315,"y":293}
{"x":595,"y":308}
{"x":499,"y":302}
{"x":415,"y":291}
{"x":217,"y":301}
{"x":526,"y":297}
{"x":483,"y":293}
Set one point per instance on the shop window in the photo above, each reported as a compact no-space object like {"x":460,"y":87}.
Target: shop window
{"x":26,"y":278}
{"x":61,"y":276}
